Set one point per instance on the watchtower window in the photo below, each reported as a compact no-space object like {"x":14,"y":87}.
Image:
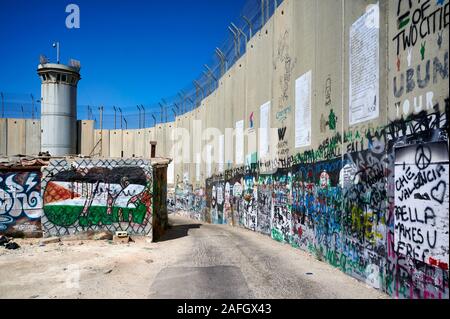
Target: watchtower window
{"x":44,"y":77}
{"x":58,"y":77}
{"x":63,"y":78}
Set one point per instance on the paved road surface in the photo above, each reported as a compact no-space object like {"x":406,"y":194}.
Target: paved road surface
{"x":220,"y":261}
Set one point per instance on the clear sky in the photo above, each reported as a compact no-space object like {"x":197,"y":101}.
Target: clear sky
{"x":131,"y":52}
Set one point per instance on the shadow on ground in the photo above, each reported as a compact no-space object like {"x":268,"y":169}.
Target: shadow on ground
{"x":177,"y":231}
{"x":213,"y":282}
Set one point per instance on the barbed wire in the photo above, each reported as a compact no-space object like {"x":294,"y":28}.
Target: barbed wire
{"x":253,"y":16}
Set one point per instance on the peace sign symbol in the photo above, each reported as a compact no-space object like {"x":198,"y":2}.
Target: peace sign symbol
{"x":423,"y":156}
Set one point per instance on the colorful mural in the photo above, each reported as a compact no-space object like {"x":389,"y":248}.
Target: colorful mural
{"x":20,"y":204}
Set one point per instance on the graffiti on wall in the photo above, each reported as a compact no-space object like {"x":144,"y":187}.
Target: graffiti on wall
{"x":93,"y":195}
{"x":171,"y":207}
{"x":423,"y":76}
{"x":415,"y":256}
{"x":419,"y":21}
{"x":20,"y":202}
{"x":264,"y":209}
{"x":281,"y":222}
{"x":421,"y":203}
{"x":248,"y":202}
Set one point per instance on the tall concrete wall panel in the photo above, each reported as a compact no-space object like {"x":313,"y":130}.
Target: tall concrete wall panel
{"x":213,"y":120}
{"x":220,"y":109}
{"x":418,"y":77}
{"x":102,"y":145}
{"x":3,"y":137}
{"x":15,"y":137}
{"x":203,"y":122}
{"x":116,"y":143}
{"x":160,"y":134}
{"x":328,"y":72}
{"x":169,"y":150}
{"x":86,"y":137}
{"x":129,"y":140}
{"x":32,"y":137}
{"x":177,"y":150}
{"x":140,"y":144}
{"x":353,"y":142}
{"x":208,"y":141}
{"x":258,"y":83}
{"x":305,"y":53}
{"x":416,"y":142}
{"x":284,"y":62}
{"x":228,"y":117}
{"x":149,"y":137}
{"x":238,"y":101}
{"x":196,"y":135}
{"x":187,"y":160}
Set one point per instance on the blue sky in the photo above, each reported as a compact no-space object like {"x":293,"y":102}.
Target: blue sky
{"x":131,"y":52}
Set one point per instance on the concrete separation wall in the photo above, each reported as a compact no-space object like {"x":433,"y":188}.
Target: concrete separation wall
{"x":342,"y":183}
{"x":32,"y":137}
{"x":102,"y":143}
{"x":85,"y":139}
{"x":15,"y":143}
{"x":3,"y":137}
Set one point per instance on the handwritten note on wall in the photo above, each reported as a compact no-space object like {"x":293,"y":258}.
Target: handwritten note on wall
{"x":303,"y":110}
{"x":364,"y":67}
{"x":239,"y":142}
{"x":422,"y":203}
{"x":264,"y":129}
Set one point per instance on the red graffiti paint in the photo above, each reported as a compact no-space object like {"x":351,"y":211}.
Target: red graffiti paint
{"x":437,"y":263}
{"x":432,"y":261}
{"x":443,"y":265}
{"x":300,"y":232}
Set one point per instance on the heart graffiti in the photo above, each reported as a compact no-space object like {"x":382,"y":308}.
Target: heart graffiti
{"x":438,"y":192}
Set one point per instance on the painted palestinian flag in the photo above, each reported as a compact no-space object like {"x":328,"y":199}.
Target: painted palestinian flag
{"x":99,"y":196}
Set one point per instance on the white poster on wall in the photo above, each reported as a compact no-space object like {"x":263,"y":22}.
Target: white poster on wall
{"x":186,"y":177}
{"x":364,"y":67}
{"x":303,"y":110}
{"x":422,"y":203}
{"x":197,"y":167}
{"x":239,"y":142}
{"x":264,"y":129}
{"x":221,"y":152}
{"x":209,"y":149}
{"x":170,"y":173}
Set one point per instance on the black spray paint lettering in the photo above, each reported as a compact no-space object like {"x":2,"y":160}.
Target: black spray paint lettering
{"x":438,"y":192}
{"x":423,"y":156}
{"x":439,"y":39}
{"x":414,"y":215}
{"x":423,"y":23}
{"x":281,"y":133}
{"x":418,"y":123}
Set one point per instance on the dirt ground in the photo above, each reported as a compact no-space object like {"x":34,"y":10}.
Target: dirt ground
{"x":193,"y":260}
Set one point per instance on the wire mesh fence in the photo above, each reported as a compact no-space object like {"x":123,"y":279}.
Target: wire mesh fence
{"x":253,"y":16}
